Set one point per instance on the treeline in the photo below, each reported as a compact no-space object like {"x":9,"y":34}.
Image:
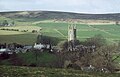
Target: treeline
{"x":7,"y":29}
{"x":48,"y":40}
{"x":10,"y":29}
{"x":13,"y":30}
{"x":11,"y":46}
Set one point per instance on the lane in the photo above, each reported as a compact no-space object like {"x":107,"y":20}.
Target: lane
{"x":60,"y":33}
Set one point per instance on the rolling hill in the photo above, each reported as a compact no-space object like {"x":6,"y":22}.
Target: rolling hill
{"x":59,"y":15}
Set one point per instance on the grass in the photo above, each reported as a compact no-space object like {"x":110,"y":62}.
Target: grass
{"x":110,"y":32}
{"x":55,"y":29}
{"x":24,"y":39}
{"x":59,"y":30}
{"x":30,"y":57}
{"x":15,"y":71}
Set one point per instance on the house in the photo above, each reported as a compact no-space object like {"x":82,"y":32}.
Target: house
{"x":6,"y":50}
{"x":27,"y":48}
{"x":39,"y":46}
{"x":42,"y":46}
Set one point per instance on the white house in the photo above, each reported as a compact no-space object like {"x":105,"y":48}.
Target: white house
{"x":5,"y":50}
{"x":38,"y":46}
{"x":41,"y":46}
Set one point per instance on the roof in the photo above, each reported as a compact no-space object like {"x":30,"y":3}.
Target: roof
{"x":4,"y":50}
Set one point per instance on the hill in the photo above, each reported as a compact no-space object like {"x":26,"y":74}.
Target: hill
{"x":59,"y":15}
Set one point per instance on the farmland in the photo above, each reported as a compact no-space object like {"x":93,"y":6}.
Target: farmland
{"x":55,"y":24}
{"x":59,"y":29}
{"x":18,"y":36}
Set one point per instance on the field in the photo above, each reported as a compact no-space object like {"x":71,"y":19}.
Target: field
{"x":57,"y":29}
{"x":26,"y":38}
{"x":14,"y":71}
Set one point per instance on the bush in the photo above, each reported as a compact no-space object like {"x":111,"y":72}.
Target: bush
{"x":4,"y":56}
{"x":63,"y":45}
{"x":97,"y":40}
{"x":34,"y":31}
{"x":47,"y":40}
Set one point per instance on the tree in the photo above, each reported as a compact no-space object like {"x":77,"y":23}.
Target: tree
{"x":47,"y":40}
{"x":117,"y":22}
{"x":103,"y":57}
{"x":5,"y":23}
{"x":97,"y":40}
{"x":63,"y":45}
{"x":13,"y":23}
{"x":4,"y":56}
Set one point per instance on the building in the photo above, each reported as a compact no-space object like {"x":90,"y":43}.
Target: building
{"x":42,"y":46}
{"x":71,"y":37}
{"x":6,"y":50}
{"x":71,"y":32}
{"x":38,"y":46}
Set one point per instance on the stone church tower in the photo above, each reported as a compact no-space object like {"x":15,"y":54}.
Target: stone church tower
{"x":71,"y":32}
{"x":71,"y":37}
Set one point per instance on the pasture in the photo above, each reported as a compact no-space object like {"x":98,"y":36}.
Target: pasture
{"x":25,"y":38}
{"x":111,"y":32}
{"x":60,"y":30}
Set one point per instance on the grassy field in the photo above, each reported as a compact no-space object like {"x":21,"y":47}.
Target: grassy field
{"x":59,"y":30}
{"x":110,"y":32}
{"x":27,"y":38}
{"x":14,"y":71}
{"x":24,"y":39}
{"x":30,"y":58}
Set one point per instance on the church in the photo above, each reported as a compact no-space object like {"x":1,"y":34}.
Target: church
{"x":71,"y":37}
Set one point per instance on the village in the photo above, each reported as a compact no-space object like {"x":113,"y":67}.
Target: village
{"x":71,"y":49}
{"x":16,"y":48}
{"x":79,"y":49}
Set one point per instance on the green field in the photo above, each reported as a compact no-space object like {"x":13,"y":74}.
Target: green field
{"x":110,"y":32}
{"x":30,"y":58}
{"x":51,"y":28}
{"x":59,"y":29}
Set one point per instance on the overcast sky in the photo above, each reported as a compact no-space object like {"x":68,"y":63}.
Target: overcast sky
{"x":79,"y":6}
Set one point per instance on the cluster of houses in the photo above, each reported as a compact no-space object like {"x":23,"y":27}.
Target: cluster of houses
{"x":16,"y":48}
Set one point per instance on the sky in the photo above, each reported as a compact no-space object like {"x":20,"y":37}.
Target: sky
{"x":78,"y":6}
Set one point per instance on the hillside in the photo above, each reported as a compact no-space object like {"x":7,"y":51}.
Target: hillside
{"x":59,"y":15}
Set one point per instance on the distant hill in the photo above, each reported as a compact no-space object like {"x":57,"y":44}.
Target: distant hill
{"x":59,"y":15}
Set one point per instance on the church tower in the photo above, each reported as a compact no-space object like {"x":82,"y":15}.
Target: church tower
{"x":71,"y":37}
{"x":71,"y":32}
